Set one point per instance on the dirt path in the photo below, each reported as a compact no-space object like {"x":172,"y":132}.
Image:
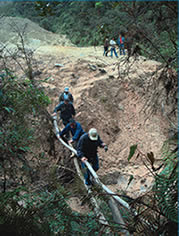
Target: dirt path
{"x":72,"y":60}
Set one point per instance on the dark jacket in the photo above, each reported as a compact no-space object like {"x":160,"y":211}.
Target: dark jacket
{"x":106,"y":43}
{"x":70,"y":97}
{"x":76,"y":132}
{"x":88,"y":148}
{"x":66,"y":110}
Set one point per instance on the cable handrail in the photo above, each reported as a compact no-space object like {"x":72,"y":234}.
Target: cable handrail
{"x":93,"y":173}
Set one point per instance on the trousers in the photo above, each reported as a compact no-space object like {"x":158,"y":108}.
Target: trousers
{"x":95,"y":164}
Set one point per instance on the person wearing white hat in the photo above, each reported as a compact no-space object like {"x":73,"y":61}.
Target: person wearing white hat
{"x":87,"y":150}
{"x":66,"y":95}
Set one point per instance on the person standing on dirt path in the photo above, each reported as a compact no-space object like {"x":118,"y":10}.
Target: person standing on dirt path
{"x":67,"y":111}
{"x":87,"y":150}
{"x":106,"y":46}
{"x":76,"y":131}
{"x":66,"y":94}
{"x":120,"y":43}
{"x":113,"y":47}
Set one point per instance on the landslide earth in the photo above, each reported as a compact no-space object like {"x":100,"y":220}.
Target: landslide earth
{"x":109,"y":94}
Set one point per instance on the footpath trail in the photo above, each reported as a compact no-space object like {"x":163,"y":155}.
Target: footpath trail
{"x":73,"y":59}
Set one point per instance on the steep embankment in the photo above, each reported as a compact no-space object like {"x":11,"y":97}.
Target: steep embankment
{"x":109,"y":94}
{"x":109,"y":102}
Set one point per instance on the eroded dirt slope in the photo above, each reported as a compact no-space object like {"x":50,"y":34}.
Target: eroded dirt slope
{"x":107,"y":100}
{"x":109,"y":94}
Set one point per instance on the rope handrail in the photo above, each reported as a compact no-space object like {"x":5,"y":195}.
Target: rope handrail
{"x":99,"y":214}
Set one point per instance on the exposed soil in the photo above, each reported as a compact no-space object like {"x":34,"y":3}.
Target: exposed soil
{"x":109,"y":99}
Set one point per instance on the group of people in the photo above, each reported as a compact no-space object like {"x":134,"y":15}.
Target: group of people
{"x":113,"y":44}
{"x":86,"y":143}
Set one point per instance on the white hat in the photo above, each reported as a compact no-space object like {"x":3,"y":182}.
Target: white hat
{"x":93,"y":134}
{"x":66,"y":89}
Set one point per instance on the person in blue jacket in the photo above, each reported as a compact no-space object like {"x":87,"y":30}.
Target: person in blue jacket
{"x":75,"y":129}
{"x":87,"y":150}
{"x":67,"y":111}
{"x":120,"y":43}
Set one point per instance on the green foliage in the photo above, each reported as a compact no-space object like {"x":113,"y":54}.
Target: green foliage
{"x":19,"y":9}
{"x":130,"y":180}
{"x":153,"y":25}
{"x":166,"y":183}
{"x":15,"y":219}
{"x":17,"y":96}
{"x":166,"y":195}
{"x":161,"y":201}
{"x":21,"y":103}
{"x":132,"y":151}
{"x":43,"y":213}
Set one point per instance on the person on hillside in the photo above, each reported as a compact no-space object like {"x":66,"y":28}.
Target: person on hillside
{"x":113,"y":47}
{"x":106,"y":47}
{"x":87,"y":150}
{"x":66,"y":94}
{"x":67,"y":111}
{"x":120,"y":43}
{"x":76,"y":131}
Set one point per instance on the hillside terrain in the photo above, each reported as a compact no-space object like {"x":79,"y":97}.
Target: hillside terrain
{"x":109,"y":103}
{"x":33,"y":35}
{"x":110,"y":94}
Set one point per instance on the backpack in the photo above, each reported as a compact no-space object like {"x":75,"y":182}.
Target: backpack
{"x":121,"y":41}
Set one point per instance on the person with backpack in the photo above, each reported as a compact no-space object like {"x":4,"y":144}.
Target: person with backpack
{"x":120,"y":43}
{"x":66,"y":94}
{"x":76,"y":131}
{"x":87,"y":150}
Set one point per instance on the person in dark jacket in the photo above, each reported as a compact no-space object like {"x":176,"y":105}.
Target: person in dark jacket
{"x":106,"y":46}
{"x":87,"y":150}
{"x":76,"y":131}
{"x":67,"y":111}
{"x":66,"y":94}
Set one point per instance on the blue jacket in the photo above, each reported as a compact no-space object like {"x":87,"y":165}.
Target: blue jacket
{"x":76,"y":132}
{"x":66,"y":110}
{"x":118,"y":41}
{"x":88,"y":148}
